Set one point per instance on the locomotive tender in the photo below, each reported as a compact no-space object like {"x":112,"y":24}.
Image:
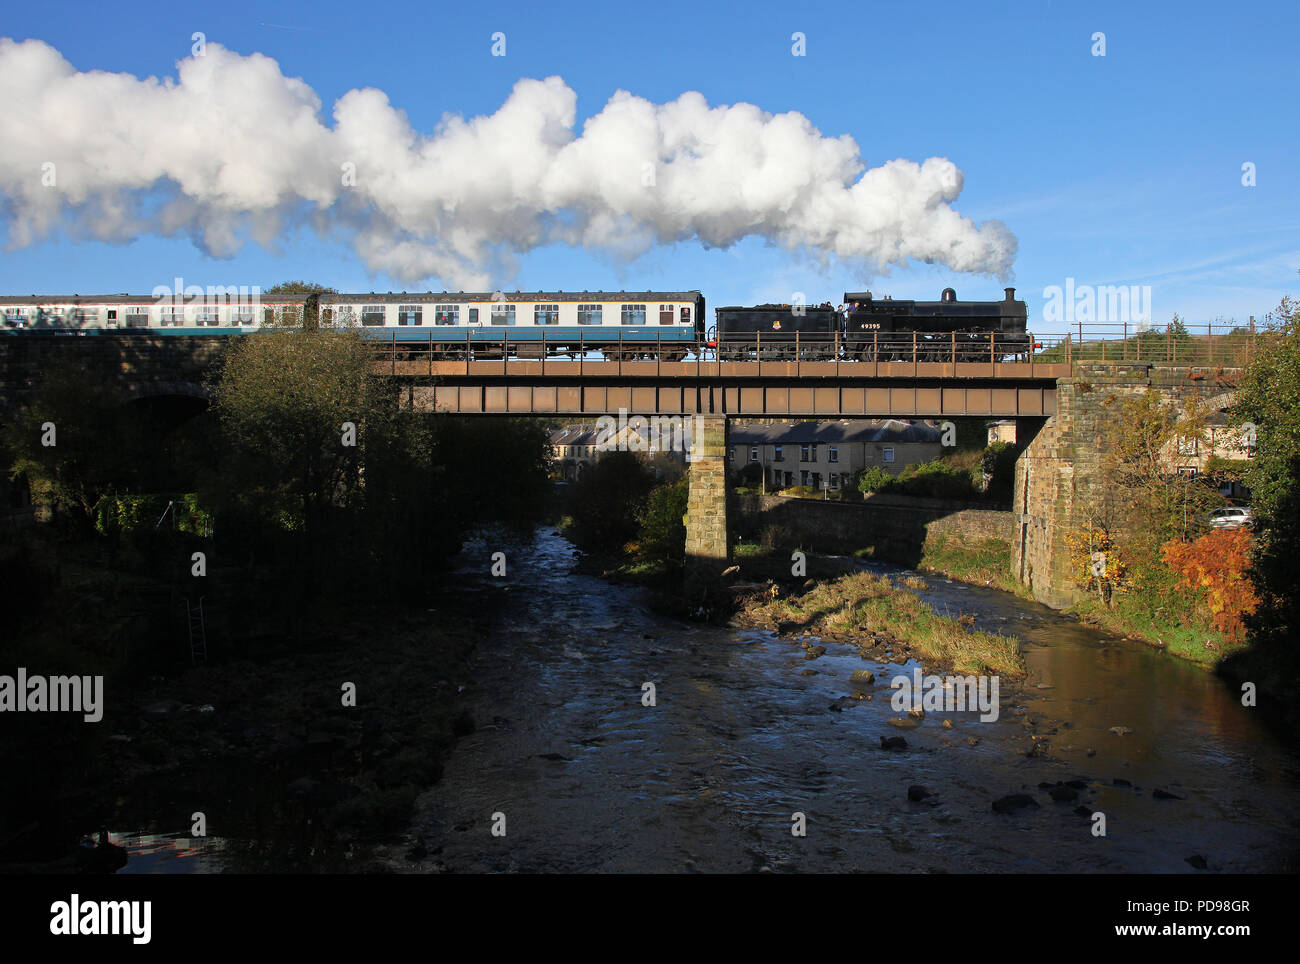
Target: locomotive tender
{"x":621,"y":324}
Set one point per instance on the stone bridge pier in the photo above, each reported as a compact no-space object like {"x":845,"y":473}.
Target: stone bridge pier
{"x":1058,"y":476}
{"x":708,"y":543}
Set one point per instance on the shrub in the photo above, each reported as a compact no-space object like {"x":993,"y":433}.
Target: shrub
{"x":662,"y":536}
{"x":935,"y":480}
{"x":874,"y":479}
{"x":1215,"y":567}
{"x":608,"y":501}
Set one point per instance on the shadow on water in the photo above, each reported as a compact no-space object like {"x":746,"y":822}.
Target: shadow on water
{"x":745,"y":732}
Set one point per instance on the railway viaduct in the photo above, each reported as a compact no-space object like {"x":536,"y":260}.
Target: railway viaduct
{"x":1061,"y":391}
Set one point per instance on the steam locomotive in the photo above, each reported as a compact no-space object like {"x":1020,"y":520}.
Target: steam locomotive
{"x":870,"y":329}
{"x":668,"y":325}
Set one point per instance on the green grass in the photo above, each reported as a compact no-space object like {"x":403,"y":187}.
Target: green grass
{"x":985,"y":563}
{"x":861,"y":604}
{"x":1133,"y":616}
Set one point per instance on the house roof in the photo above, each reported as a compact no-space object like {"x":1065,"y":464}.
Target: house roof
{"x":846,"y":430}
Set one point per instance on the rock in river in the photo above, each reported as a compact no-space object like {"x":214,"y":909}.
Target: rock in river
{"x":1013,"y":802}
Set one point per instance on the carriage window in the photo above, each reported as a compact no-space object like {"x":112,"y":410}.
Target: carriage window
{"x":589,"y":314}
{"x":686,"y":316}
{"x":243,"y":315}
{"x":139,"y":319}
{"x":503,"y":314}
{"x":633,"y":315}
{"x":546,"y":314}
{"x":665,"y":314}
{"x":372,"y":315}
{"x":410,"y":315}
{"x":112,"y":314}
{"x":206,"y":316}
{"x":171,"y":316}
{"x":473,"y":316}
{"x":446,"y":315}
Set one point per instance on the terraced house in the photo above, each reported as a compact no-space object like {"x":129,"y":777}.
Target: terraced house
{"x":829,"y":454}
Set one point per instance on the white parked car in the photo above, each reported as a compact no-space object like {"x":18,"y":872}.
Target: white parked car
{"x":1230,"y":517}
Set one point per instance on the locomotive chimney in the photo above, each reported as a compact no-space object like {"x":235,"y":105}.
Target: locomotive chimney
{"x":1011,"y":293}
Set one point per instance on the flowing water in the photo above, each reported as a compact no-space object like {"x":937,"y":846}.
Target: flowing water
{"x":746,"y":732}
{"x":743,"y":736}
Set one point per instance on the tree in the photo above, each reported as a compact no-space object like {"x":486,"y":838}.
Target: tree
{"x":75,"y":442}
{"x":662,"y":536}
{"x":1140,"y":445}
{"x":297,"y":410}
{"x":608,"y":500}
{"x":1268,"y":401}
{"x":299,"y":287}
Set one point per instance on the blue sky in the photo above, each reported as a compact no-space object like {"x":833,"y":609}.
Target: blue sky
{"x":1123,"y":169}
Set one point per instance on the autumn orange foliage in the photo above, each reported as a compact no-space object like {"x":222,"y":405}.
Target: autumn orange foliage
{"x":1215,"y":565}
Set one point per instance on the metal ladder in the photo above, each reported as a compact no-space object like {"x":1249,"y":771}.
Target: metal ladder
{"x":198,"y":634}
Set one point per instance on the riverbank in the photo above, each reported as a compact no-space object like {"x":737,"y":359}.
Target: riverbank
{"x":283,"y":769}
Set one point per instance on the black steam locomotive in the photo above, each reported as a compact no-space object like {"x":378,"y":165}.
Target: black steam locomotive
{"x":867,"y":329}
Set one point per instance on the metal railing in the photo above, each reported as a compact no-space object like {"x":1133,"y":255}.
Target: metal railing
{"x":1231,"y":346}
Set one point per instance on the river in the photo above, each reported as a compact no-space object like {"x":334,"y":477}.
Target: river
{"x":745,"y":732}
{"x":743,"y":735}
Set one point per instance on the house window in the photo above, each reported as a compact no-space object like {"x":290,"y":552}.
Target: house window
{"x":835,"y":481}
{"x":503,"y":314}
{"x":834,"y":453}
{"x":887,"y":455}
{"x":410,"y":315}
{"x":777,"y":454}
{"x":546,"y":314}
{"x":753,"y":453}
{"x":803,"y":453}
{"x":372,"y":315}
{"x":1188,"y":470}
{"x":665,"y":314}
{"x":1187,"y":445}
{"x":446,"y":315}
{"x":589,"y":314}
{"x":633,"y":315}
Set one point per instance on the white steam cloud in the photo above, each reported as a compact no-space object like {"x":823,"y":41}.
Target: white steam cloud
{"x":232,"y":149}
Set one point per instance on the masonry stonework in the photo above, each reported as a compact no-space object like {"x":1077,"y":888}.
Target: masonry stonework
{"x":1058,"y":480}
{"x":707,"y":541}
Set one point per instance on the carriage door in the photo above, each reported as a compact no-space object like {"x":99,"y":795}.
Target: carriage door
{"x":665,"y":314}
